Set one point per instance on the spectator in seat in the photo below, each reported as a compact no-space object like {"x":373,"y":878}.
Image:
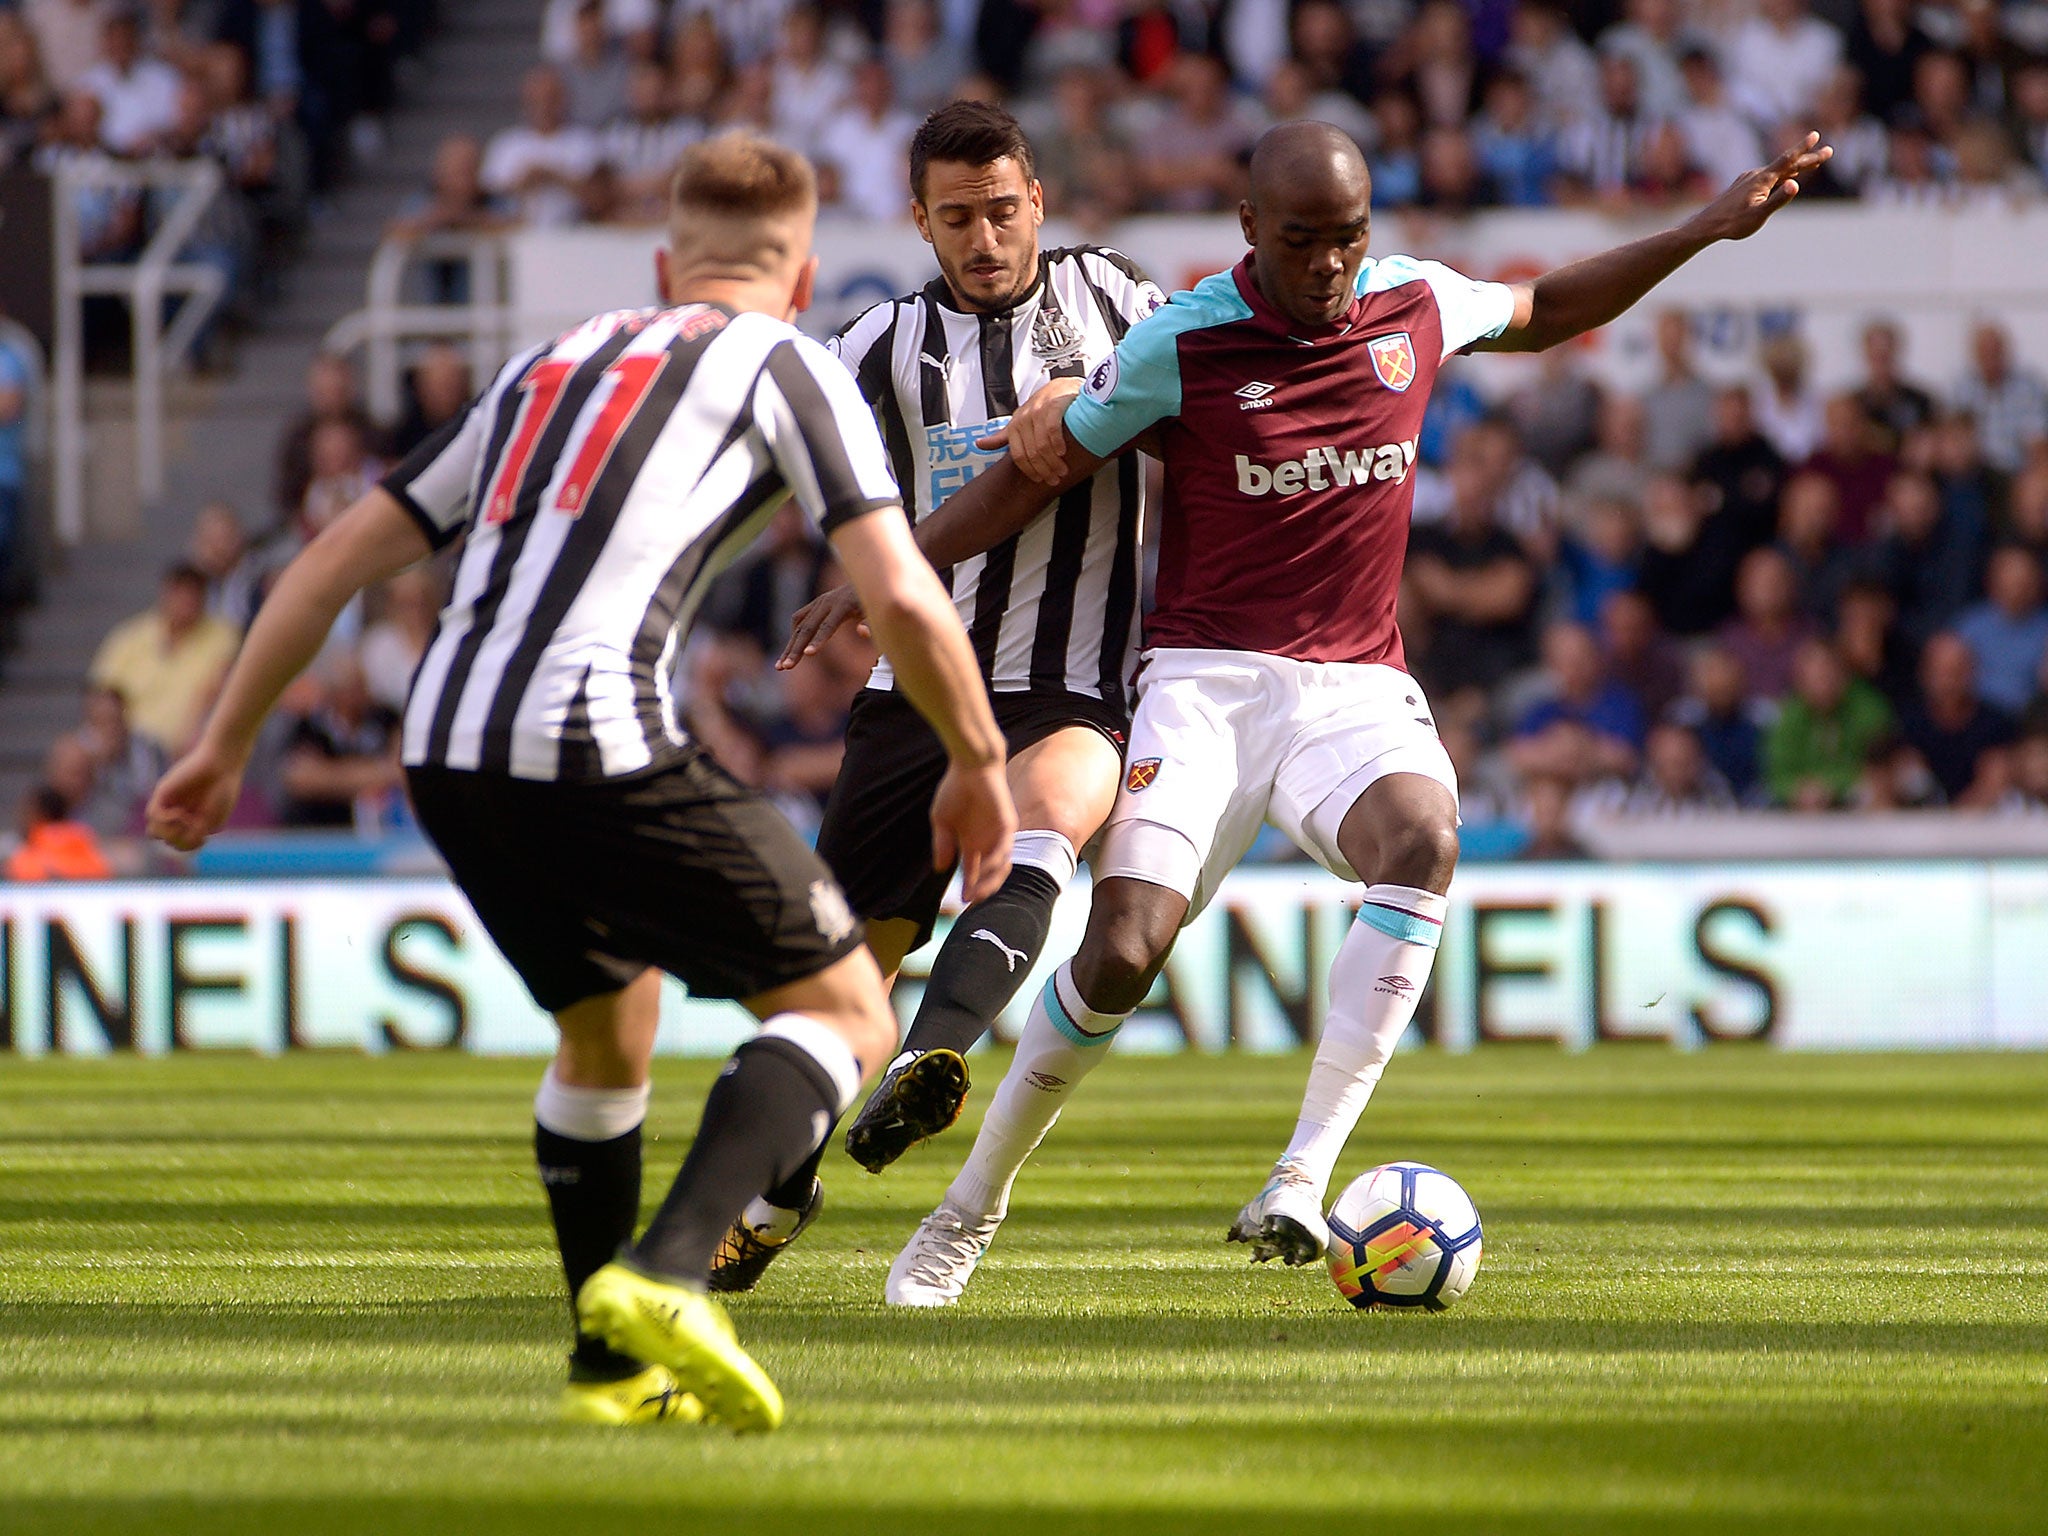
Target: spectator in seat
{"x":341,"y":766}
{"x":26,"y":100}
{"x":2007,"y":402}
{"x":1687,"y":569}
{"x":1809,"y":534}
{"x":53,"y":846}
{"x":1814,"y":752}
{"x":14,"y":388}
{"x":1867,"y":635}
{"x":1788,"y":409}
{"x":110,"y":219}
{"x":1962,"y":739}
{"x":1083,"y":160}
{"x":1926,"y":555}
{"x":543,"y":165}
{"x":331,"y":395}
{"x":1396,"y":160}
{"x":698,"y":68}
{"x":1740,"y":474}
{"x":1453,"y":179}
{"x":1591,"y":728}
{"x":1617,"y":469}
{"x":219,"y":548}
{"x":807,"y":85}
{"x":1886,"y":44}
{"x":1972,"y":491}
{"x":1547,"y":812}
{"x":1193,"y":159}
{"x":138,"y":95}
{"x":1896,"y":404}
{"x":2026,"y":510}
{"x":641,"y":149}
{"x":1768,"y":629}
{"x":1779,"y":60}
{"x":869,"y":141}
{"x":1677,"y":778}
{"x":1719,"y":712}
{"x":1678,"y":410}
{"x":456,"y":200}
{"x":2028,"y":792}
{"x":1547,"y":50}
{"x":1855,"y":461}
{"x":1639,"y":655}
{"x":437,"y":389}
{"x":1597,"y":559}
{"x":1651,"y":36}
{"x":2007,"y":633}
{"x":124,"y":766}
{"x":2030,"y":112}
{"x":392,"y":646}
{"x":1469,"y":588}
{"x":1518,"y":152}
{"x":1600,"y":152}
{"x":923,"y":59}
{"x":594,"y":74}
{"x":1557,"y":413}
{"x":168,"y":660}
{"x":1721,"y":141}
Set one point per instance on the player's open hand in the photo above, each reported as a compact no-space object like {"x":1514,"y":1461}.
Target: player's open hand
{"x":816,"y":622}
{"x":974,"y":821}
{"x":1036,"y":432}
{"x":1754,"y":196}
{"x":193,"y":799}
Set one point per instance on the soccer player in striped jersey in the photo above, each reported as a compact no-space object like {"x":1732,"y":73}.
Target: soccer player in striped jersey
{"x":1284,"y":397}
{"x":597,"y":486}
{"x":1052,"y":611}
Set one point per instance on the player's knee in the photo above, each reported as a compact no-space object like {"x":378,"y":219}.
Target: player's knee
{"x":1421,"y":853}
{"x":1120,"y":959}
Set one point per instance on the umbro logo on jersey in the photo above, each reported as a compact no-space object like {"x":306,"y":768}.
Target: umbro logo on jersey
{"x":1395,"y":986}
{"x":1255,"y":396}
{"x":1321,"y":468}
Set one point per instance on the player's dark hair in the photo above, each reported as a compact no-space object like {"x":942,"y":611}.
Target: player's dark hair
{"x":183,"y":573}
{"x":971,"y":133}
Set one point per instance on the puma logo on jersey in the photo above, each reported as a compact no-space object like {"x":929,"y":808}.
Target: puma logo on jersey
{"x":1009,"y":954}
{"x":1321,"y":468}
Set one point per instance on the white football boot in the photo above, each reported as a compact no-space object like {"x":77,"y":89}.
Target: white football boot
{"x":938,"y":1261}
{"x":1285,"y":1221}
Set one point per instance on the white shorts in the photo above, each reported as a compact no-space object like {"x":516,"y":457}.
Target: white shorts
{"x":1225,"y":740}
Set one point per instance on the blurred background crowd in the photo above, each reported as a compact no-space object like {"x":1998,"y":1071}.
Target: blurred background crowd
{"x":1691,"y":598}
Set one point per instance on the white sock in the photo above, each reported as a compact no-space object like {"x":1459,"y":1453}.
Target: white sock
{"x":588,"y":1114}
{"x":1063,"y":1041}
{"x":1374,"y":983}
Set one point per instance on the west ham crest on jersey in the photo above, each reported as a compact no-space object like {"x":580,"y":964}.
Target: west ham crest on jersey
{"x":1393,"y":359}
{"x":1142,"y":773}
{"x":1054,"y":337}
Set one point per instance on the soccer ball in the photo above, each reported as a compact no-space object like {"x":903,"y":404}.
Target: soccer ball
{"x":1404,"y":1235}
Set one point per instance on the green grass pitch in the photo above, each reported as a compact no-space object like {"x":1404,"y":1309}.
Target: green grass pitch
{"x":1732,"y":1291}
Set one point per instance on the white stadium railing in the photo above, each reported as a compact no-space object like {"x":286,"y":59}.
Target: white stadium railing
{"x":388,"y":324}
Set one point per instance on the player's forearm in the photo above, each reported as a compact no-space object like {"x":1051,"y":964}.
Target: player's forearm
{"x":1585,"y":295}
{"x":917,"y":629}
{"x":996,"y":503}
{"x":373,"y":539}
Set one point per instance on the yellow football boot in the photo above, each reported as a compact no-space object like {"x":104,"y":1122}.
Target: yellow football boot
{"x":689,"y":1333}
{"x":646,"y":1397}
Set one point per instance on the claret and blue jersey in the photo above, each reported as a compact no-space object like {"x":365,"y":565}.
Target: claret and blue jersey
{"x":1289,"y":452}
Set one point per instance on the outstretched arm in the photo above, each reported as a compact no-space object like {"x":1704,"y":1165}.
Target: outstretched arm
{"x":1585,"y":295}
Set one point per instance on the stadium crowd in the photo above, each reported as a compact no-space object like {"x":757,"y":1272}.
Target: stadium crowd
{"x":1152,"y":105}
{"x":1681,"y":600}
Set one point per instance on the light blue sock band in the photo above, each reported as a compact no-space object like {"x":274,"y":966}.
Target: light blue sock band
{"x":1405,"y":926}
{"x":1064,"y":1023}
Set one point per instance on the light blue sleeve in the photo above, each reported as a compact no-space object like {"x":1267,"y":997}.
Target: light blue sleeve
{"x":1138,"y":384}
{"x":1469,"y":310}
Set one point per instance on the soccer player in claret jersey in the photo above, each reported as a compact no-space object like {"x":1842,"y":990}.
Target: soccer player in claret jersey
{"x":1052,"y":612}
{"x":1285,"y":397}
{"x":598,"y":486}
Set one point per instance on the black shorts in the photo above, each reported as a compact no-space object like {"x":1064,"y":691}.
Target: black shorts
{"x":877,"y":831}
{"x":585,"y":885}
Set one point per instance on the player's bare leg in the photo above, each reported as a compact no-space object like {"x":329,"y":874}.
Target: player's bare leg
{"x":1131,"y":928}
{"x":1402,"y":835}
{"x":768,"y":1111}
{"x":1064,"y":786}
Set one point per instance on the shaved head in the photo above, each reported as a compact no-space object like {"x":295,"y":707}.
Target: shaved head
{"x":1308,"y":159}
{"x":1308,"y":220}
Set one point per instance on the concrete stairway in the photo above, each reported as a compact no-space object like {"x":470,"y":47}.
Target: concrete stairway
{"x":224,"y":432}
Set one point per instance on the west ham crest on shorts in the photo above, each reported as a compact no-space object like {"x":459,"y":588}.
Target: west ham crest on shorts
{"x":1142,"y":773}
{"x":1393,"y":359}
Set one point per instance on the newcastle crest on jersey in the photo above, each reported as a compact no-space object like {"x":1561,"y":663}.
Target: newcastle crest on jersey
{"x":1056,"y":338}
{"x":1393,"y":359}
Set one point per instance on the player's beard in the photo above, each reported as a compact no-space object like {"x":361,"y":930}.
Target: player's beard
{"x":978,"y":299}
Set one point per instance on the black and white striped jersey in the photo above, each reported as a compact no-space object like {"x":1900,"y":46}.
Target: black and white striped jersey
{"x":1055,"y":608}
{"x":603,"y":480}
